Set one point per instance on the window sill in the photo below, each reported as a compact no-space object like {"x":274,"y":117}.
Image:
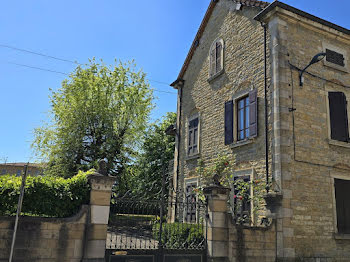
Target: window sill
{"x":241,"y":143}
{"x":342,"y":236}
{"x":335,"y":66}
{"x":338,"y":143}
{"x":191,"y":157}
{"x":216,"y":75}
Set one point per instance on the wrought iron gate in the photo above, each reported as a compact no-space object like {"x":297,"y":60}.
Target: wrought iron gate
{"x":159,"y":230}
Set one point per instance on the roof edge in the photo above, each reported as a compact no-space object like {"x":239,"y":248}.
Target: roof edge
{"x":268,"y":9}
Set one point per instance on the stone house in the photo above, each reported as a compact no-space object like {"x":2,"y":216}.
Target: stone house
{"x":241,"y":94}
{"x":18,"y":168}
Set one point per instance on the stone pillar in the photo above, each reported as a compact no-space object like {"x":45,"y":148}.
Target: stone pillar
{"x":217,"y":225}
{"x":96,"y":231}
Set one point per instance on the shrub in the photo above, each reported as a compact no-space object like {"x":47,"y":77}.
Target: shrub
{"x":180,"y":235}
{"x":44,"y":195}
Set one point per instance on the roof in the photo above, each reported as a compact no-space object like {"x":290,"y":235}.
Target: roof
{"x":250,"y":3}
{"x":275,"y":4}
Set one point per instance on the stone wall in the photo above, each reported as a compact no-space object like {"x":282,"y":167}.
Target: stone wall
{"x":252,"y":243}
{"x":307,"y":228}
{"x":243,"y":71}
{"x":44,"y":239}
{"x":80,"y":238}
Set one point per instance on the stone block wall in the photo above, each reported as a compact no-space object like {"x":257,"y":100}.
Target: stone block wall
{"x":307,"y":229}
{"x":44,"y":239}
{"x":75,"y":239}
{"x":243,"y":71}
{"x":251,"y":243}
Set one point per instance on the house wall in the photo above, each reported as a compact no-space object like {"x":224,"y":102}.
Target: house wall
{"x":17,"y":170}
{"x":243,"y":71}
{"x":307,"y":221}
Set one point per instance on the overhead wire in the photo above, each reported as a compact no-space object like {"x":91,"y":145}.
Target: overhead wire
{"x":64,"y":60}
{"x":62,"y":73}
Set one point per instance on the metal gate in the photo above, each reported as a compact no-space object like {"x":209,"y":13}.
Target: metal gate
{"x":157,"y":230}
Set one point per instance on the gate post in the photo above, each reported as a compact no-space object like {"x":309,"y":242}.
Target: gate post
{"x":96,"y":229}
{"x":217,"y":223}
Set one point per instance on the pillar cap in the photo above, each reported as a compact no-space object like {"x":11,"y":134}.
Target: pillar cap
{"x":216,"y":189}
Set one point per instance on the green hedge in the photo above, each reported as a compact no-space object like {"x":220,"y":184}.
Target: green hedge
{"x":180,"y":235}
{"x":44,"y":195}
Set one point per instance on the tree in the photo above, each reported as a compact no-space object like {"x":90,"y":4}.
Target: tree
{"x":144,"y":178}
{"x":99,"y":113}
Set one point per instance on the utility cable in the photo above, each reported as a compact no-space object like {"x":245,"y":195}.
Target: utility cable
{"x":62,"y":73}
{"x":39,"y":54}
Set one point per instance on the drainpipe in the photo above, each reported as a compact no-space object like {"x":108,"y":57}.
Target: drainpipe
{"x":266,"y":112}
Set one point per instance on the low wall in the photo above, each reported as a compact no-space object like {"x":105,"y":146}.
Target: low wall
{"x":44,"y":239}
{"x":252,"y":243}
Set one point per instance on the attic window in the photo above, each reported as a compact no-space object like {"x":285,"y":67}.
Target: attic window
{"x":216,"y":58}
{"x":335,"y":57}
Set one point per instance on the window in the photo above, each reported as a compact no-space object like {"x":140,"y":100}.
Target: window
{"x":335,"y":57}
{"x":342,"y":199}
{"x":241,"y":194}
{"x":190,"y":210}
{"x":338,"y":116}
{"x":193,"y":136}
{"x":216,"y":57}
{"x":241,"y":116}
{"x":19,"y":172}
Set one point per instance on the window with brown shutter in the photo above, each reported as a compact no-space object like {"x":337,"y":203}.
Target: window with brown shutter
{"x":342,"y":198}
{"x":338,"y":116}
{"x":193,"y":136}
{"x":216,"y":57}
{"x":241,"y":115}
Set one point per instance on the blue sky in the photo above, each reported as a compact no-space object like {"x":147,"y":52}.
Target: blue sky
{"x":156,"y":33}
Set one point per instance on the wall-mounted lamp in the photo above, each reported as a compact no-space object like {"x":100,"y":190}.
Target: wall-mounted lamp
{"x":315,"y":59}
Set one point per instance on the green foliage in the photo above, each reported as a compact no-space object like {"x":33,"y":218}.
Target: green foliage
{"x":44,"y":195}
{"x":98,"y":113}
{"x":179,"y":235}
{"x":144,"y":177}
{"x":223,"y":169}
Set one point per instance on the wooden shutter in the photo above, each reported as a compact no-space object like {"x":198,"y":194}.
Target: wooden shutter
{"x":212,"y":61}
{"x":334,"y":57}
{"x":218,"y":57}
{"x":253,"y":113}
{"x":342,"y":197}
{"x":338,"y":116}
{"x":228,"y":122}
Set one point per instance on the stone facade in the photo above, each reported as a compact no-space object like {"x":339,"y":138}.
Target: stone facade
{"x":18,"y":169}
{"x":304,"y":160}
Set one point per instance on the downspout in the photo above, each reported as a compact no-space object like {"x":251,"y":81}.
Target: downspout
{"x":266,"y":111}
{"x":178,"y":133}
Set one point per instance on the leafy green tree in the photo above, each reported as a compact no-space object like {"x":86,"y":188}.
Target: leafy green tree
{"x":99,"y":113}
{"x":144,"y":178}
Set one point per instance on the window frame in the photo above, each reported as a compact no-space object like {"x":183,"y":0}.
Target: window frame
{"x":190,"y":181}
{"x":191,"y":118}
{"x":237,"y":116}
{"x":330,"y":140}
{"x":334,"y":202}
{"x":235,"y":98}
{"x":243,"y":173}
{"x":212,"y":74}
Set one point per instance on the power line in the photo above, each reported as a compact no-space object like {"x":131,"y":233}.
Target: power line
{"x":38,"y":68}
{"x":57,"y":58}
{"x":62,"y":73}
{"x":39,"y":54}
